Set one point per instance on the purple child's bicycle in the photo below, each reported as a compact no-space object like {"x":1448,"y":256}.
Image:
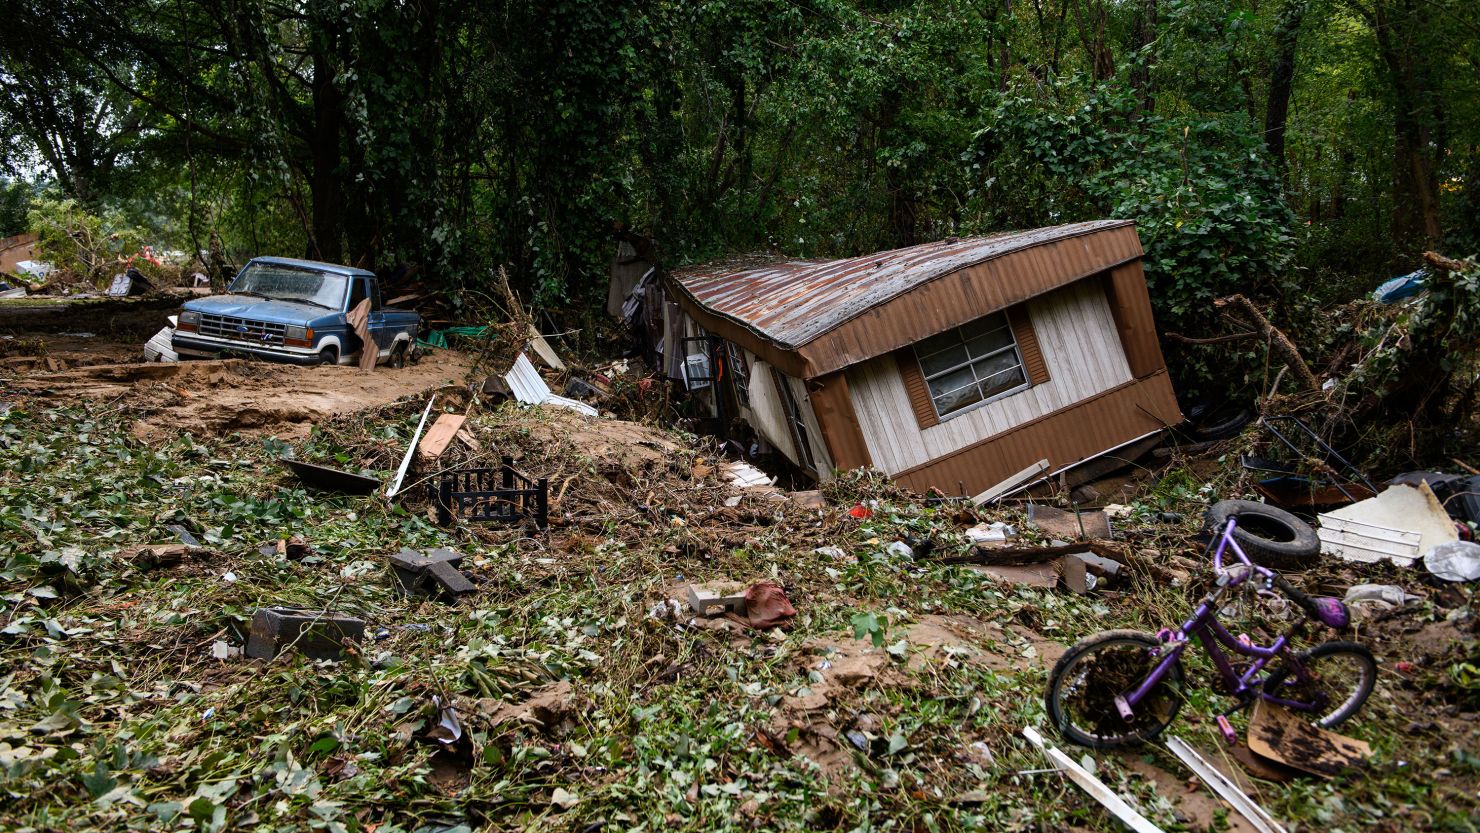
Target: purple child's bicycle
{"x":1122,"y":686}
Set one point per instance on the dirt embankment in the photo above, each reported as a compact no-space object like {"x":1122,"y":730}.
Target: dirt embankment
{"x":207,"y":397}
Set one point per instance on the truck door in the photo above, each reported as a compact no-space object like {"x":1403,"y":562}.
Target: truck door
{"x":378,"y":329}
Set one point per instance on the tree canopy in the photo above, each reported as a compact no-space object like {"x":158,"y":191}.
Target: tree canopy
{"x":1264,"y":146}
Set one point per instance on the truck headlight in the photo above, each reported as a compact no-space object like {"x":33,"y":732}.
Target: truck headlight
{"x":295,"y":333}
{"x":189,"y":320}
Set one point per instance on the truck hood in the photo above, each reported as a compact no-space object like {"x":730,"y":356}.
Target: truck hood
{"x":259,"y":309}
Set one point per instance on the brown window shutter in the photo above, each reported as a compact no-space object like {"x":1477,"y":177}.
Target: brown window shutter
{"x":914,"y":385}
{"x":1027,"y":342}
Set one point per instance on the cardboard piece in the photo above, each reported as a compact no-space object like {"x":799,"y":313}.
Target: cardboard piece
{"x":1291,"y":739}
{"x":439,"y":436}
{"x":1059,"y":523}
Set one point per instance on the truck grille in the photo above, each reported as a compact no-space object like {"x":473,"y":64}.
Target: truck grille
{"x":257,"y":332}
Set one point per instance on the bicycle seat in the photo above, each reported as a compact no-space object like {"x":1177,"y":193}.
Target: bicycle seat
{"x":1332,"y":612}
{"x":1327,"y":610}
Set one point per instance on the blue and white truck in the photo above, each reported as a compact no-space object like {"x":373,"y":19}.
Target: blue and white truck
{"x":290,"y":310}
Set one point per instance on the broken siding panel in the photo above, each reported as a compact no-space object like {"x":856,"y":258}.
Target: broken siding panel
{"x":1081,"y":350}
{"x":820,"y":455}
{"x":768,"y":414}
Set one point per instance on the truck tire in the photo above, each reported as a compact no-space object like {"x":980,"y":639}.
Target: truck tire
{"x":328,"y":355}
{"x":398,"y":355}
{"x":1269,"y":536}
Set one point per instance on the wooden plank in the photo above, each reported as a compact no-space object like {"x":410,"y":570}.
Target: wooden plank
{"x":440,"y":436}
{"x":1092,"y":785}
{"x":1011,"y":483}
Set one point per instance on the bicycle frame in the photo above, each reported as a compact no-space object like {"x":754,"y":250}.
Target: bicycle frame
{"x":1214,"y":637}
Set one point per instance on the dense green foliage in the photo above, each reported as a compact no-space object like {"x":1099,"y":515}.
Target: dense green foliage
{"x":1284,"y":148}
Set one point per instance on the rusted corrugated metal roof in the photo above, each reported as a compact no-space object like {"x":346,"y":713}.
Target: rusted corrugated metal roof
{"x":793,"y":302}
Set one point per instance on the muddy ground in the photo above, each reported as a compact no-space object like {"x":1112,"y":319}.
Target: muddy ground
{"x":98,"y":357}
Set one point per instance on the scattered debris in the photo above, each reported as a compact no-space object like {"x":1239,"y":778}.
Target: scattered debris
{"x":1454,"y":561}
{"x":439,"y":436}
{"x":743,"y":475}
{"x":318,"y":635}
{"x":292,"y":549}
{"x":432,"y":574}
{"x":491,"y":495}
{"x":1224,"y":787}
{"x":1400,"y":524}
{"x":1059,"y":523}
{"x":395,"y":488}
{"x":1387,"y":596}
{"x":1092,"y":785}
{"x":316,"y":476}
{"x":989,"y":533}
{"x":717,"y":598}
{"x":544,"y":351}
{"x":1011,"y":484}
{"x":1290,"y":739}
{"x":529,"y":387}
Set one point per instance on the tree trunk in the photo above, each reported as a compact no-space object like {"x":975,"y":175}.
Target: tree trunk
{"x":1419,"y":134}
{"x":1143,"y":32}
{"x":326,"y":242}
{"x":1281,"y":83}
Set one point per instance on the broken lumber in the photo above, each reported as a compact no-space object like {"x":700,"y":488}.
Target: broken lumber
{"x":1225,"y":788}
{"x":1092,"y":785}
{"x":1011,"y":483}
{"x":439,"y":436}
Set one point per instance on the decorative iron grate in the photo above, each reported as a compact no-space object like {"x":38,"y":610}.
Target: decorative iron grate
{"x":491,"y":495}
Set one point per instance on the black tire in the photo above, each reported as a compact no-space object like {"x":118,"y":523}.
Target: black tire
{"x":1269,"y":536}
{"x":1087,"y":678}
{"x":398,"y":355}
{"x":328,"y":355}
{"x":1222,"y":424}
{"x":1346,"y":695}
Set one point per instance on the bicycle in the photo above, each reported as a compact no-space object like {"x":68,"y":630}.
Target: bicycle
{"x":1123,"y":686}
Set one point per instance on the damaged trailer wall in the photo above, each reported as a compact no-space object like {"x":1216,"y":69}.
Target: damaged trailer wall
{"x":1076,"y":333}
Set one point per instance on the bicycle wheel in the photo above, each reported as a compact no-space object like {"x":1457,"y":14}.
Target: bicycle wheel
{"x":1087,"y":679}
{"x":1342,"y":676}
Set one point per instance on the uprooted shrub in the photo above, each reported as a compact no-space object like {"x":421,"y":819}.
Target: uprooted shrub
{"x":1419,"y":372}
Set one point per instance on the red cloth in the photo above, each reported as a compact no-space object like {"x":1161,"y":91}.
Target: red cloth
{"x":766,"y":605}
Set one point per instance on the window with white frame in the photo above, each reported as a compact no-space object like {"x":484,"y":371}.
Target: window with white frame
{"x":970,"y":364}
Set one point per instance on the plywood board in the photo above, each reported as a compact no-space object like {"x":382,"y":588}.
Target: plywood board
{"x":440,"y":436}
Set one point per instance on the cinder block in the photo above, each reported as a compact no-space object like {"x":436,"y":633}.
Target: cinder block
{"x":315,"y":634}
{"x":717,"y":598}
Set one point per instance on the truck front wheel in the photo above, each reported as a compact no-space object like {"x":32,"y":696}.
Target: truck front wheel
{"x":398,"y":355}
{"x":328,"y":355}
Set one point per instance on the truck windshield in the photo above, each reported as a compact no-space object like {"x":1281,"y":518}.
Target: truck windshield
{"x":288,"y":283}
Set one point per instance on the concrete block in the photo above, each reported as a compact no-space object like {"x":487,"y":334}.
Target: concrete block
{"x":717,"y":598}
{"x":315,"y":634}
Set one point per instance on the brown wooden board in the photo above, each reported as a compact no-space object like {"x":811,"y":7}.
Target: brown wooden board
{"x":440,"y":436}
{"x":1289,"y":738}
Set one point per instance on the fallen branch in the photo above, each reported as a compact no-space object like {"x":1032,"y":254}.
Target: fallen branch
{"x":1278,"y":341}
{"x":1181,"y":339}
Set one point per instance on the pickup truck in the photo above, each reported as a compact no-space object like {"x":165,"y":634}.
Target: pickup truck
{"x":293,"y":311}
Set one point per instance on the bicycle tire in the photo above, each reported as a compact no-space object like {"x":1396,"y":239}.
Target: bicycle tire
{"x":1269,"y":536}
{"x":1111,"y":731}
{"x":1312,"y":660}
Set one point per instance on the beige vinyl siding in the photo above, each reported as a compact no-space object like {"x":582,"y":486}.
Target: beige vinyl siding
{"x":1081,"y":347}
